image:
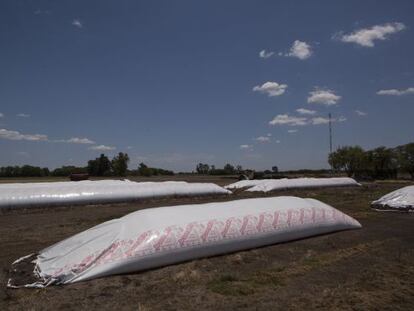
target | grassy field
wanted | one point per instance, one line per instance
(367, 269)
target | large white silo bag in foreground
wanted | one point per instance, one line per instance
(160, 236)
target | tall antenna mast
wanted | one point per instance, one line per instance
(330, 133)
(330, 138)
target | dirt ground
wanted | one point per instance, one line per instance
(367, 269)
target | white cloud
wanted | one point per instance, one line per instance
(266, 54)
(292, 131)
(23, 115)
(271, 88)
(102, 148)
(263, 139)
(15, 135)
(319, 120)
(324, 97)
(395, 92)
(245, 147)
(77, 23)
(323, 120)
(269, 134)
(300, 49)
(285, 119)
(1, 115)
(277, 141)
(77, 140)
(366, 36)
(360, 113)
(306, 111)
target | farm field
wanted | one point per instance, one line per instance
(371, 268)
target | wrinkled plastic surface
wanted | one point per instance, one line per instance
(160, 236)
(401, 199)
(265, 185)
(102, 191)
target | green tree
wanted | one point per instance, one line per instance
(351, 159)
(405, 158)
(382, 163)
(67, 170)
(229, 169)
(202, 168)
(144, 170)
(100, 166)
(120, 164)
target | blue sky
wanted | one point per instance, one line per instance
(174, 83)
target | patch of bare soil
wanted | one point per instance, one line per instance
(367, 269)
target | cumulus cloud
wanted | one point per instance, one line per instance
(271, 88)
(300, 49)
(323, 120)
(77, 140)
(285, 119)
(263, 139)
(305, 111)
(319, 120)
(360, 113)
(366, 36)
(265, 54)
(23, 115)
(395, 92)
(102, 148)
(15, 135)
(246, 147)
(77, 23)
(292, 131)
(324, 97)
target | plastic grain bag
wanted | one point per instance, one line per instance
(266, 185)
(398, 200)
(93, 192)
(156, 237)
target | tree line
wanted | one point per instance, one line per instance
(228, 169)
(100, 166)
(378, 163)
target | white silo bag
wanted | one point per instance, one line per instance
(400, 199)
(94, 192)
(266, 185)
(156, 237)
